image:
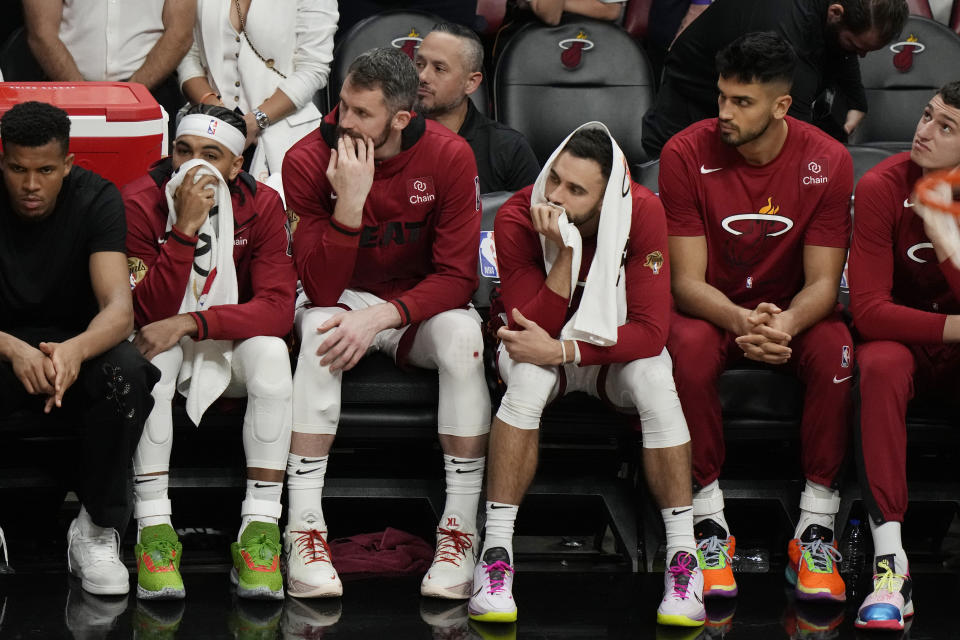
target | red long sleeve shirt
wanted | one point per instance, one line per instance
(523, 278)
(898, 289)
(417, 243)
(160, 263)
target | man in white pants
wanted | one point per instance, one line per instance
(213, 298)
(388, 211)
(585, 279)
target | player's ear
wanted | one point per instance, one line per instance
(835, 13)
(782, 105)
(400, 120)
(235, 167)
(473, 82)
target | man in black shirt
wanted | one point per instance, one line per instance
(450, 64)
(826, 36)
(65, 311)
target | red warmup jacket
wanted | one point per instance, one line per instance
(160, 262)
(523, 278)
(417, 244)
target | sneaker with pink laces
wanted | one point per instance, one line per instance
(492, 599)
(310, 572)
(682, 604)
(451, 574)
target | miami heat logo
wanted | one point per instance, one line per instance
(408, 43)
(904, 52)
(912, 251)
(654, 261)
(751, 230)
(573, 49)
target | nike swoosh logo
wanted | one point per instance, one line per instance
(305, 461)
(135, 481)
(499, 506)
(697, 596)
(301, 472)
(835, 381)
(455, 461)
(906, 203)
(466, 470)
(676, 513)
(705, 171)
(261, 486)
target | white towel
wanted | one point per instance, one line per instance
(205, 372)
(603, 306)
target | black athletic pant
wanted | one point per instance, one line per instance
(110, 401)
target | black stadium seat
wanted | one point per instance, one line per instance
(401, 29)
(550, 80)
(900, 78)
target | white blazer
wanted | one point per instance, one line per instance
(298, 36)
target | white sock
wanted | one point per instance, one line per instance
(147, 488)
(887, 541)
(499, 528)
(259, 491)
(464, 481)
(818, 505)
(679, 524)
(708, 505)
(305, 475)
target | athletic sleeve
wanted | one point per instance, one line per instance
(109, 229)
(644, 335)
(522, 275)
(272, 277)
(875, 314)
(324, 251)
(830, 226)
(678, 194)
(159, 267)
(455, 242)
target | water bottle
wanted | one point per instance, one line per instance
(852, 548)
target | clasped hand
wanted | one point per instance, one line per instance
(763, 335)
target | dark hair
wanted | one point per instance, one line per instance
(592, 144)
(950, 93)
(34, 124)
(761, 56)
(473, 48)
(390, 70)
(886, 16)
(232, 118)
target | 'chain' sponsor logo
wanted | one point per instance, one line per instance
(420, 190)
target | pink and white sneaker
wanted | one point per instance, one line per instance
(890, 603)
(492, 599)
(451, 574)
(682, 604)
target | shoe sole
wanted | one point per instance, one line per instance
(808, 595)
(494, 616)
(883, 625)
(334, 591)
(167, 593)
(673, 620)
(100, 590)
(259, 592)
(458, 592)
(720, 592)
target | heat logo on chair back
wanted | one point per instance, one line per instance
(904, 52)
(573, 49)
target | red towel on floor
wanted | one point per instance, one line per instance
(391, 551)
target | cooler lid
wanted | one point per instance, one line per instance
(117, 101)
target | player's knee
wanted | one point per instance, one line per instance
(884, 363)
(528, 390)
(460, 352)
(268, 370)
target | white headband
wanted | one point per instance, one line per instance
(196, 124)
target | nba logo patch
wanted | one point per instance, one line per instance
(749, 282)
(845, 357)
(488, 256)
(212, 127)
(844, 282)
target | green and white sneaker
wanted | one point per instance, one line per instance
(158, 564)
(256, 562)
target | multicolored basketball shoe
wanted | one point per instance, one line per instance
(891, 602)
(158, 564)
(492, 599)
(682, 604)
(814, 566)
(811, 620)
(256, 562)
(715, 550)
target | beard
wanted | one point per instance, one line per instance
(438, 109)
(378, 141)
(740, 138)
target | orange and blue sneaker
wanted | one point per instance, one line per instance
(814, 567)
(890, 603)
(805, 620)
(256, 562)
(715, 550)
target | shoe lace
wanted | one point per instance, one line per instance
(821, 554)
(452, 545)
(712, 548)
(888, 580)
(681, 572)
(312, 546)
(262, 550)
(161, 552)
(496, 574)
(104, 548)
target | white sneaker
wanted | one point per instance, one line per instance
(89, 616)
(96, 561)
(309, 618)
(451, 574)
(310, 572)
(492, 599)
(682, 604)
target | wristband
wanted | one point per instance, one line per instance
(563, 353)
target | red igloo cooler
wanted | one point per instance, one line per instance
(117, 129)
